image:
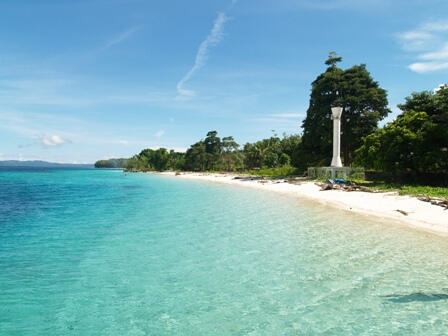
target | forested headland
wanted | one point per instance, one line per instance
(415, 144)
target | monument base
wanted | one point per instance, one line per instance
(336, 172)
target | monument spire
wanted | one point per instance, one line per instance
(336, 112)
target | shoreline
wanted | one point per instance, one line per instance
(420, 215)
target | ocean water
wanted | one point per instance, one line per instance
(97, 252)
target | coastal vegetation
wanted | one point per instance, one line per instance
(271, 155)
(111, 163)
(156, 160)
(411, 149)
(416, 142)
(407, 189)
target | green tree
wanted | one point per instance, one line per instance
(150, 159)
(270, 160)
(111, 163)
(333, 59)
(255, 154)
(196, 157)
(159, 159)
(213, 149)
(284, 159)
(364, 102)
(416, 142)
(176, 160)
(290, 146)
(230, 155)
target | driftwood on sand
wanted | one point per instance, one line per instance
(435, 201)
(345, 187)
(405, 213)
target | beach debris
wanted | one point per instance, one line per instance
(342, 181)
(402, 212)
(326, 186)
(435, 201)
(341, 184)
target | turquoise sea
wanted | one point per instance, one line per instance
(97, 252)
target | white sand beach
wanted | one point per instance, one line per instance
(420, 215)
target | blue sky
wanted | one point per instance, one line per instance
(85, 80)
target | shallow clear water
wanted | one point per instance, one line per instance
(86, 252)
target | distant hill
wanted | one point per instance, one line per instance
(43, 164)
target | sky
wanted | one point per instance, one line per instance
(83, 80)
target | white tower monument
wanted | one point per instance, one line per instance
(336, 161)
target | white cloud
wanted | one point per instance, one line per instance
(213, 38)
(159, 134)
(122, 142)
(52, 141)
(427, 40)
(423, 67)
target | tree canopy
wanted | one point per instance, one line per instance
(111, 163)
(220, 154)
(156, 159)
(416, 142)
(364, 102)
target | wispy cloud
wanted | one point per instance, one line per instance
(159, 134)
(415, 40)
(441, 54)
(430, 42)
(213, 38)
(122, 36)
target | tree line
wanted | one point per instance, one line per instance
(416, 142)
(214, 153)
(111, 163)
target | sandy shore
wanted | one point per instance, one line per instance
(420, 215)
